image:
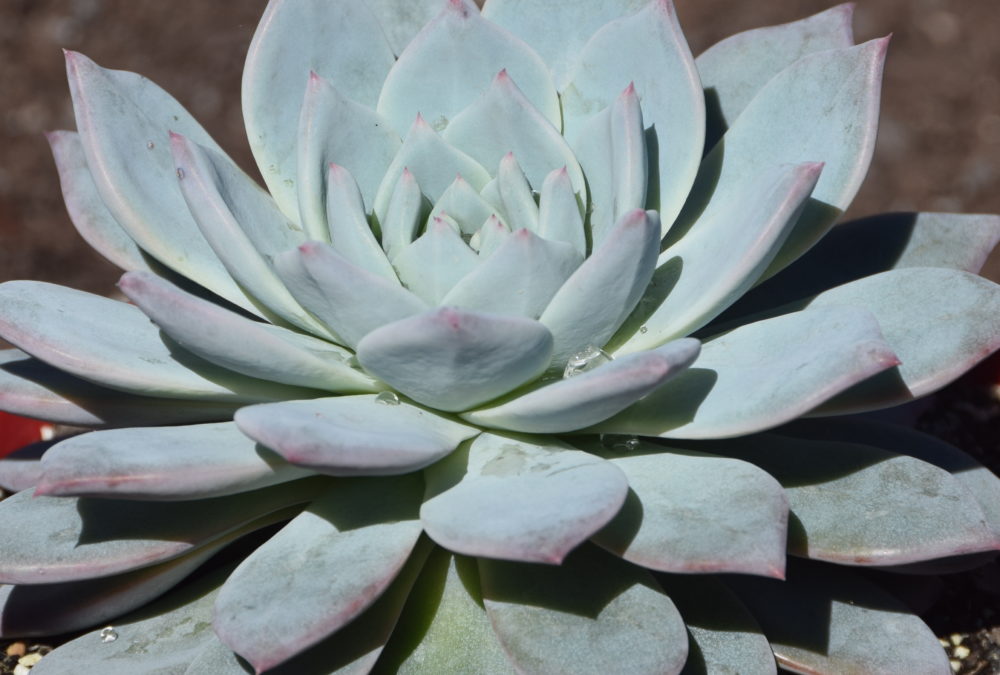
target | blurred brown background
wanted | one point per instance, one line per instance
(938, 148)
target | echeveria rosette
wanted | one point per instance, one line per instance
(452, 348)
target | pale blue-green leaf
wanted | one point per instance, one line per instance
(124, 120)
(519, 277)
(55, 539)
(435, 262)
(68, 329)
(86, 209)
(822, 108)
(855, 504)
(353, 435)
(503, 120)
(591, 397)
(161, 463)
(22, 469)
(462, 203)
(826, 619)
(350, 233)
(352, 650)
(240, 344)
(47, 609)
(490, 237)
(516, 196)
(730, 246)
(352, 542)
(244, 226)
(452, 61)
(596, 300)
(558, 31)
(443, 628)
(611, 147)
(674, 520)
(725, 639)
(559, 216)
(453, 360)
(402, 21)
(349, 299)
(876, 244)
(161, 638)
(791, 363)
(648, 50)
(402, 215)
(433, 163)
(32, 388)
(940, 322)
(520, 498)
(735, 69)
(594, 614)
(982, 483)
(335, 129)
(293, 38)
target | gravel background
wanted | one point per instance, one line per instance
(938, 143)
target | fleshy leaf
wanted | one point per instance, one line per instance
(292, 40)
(452, 60)
(68, 329)
(243, 225)
(464, 205)
(434, 164)
(596, 300)
(519, 277)
(512, 498)
(443, 628)
(33, 388)
(353, 435)
(612, 149)
(320, 571)
(593, 614)
(21, 469)
(161, 463)
(590, 397)
(502, 120)
(401, 22)
(87, 211)
(557, 31)
(899, 510)
(490, 237)
(454, 360)
(68, 538)
(823, 108)
(826, 619)
(724, 636)
(940, 322)
(676, 521)
(334, 129)
(350, 233)
(349, 299)
(559, 216)
(402, 215)
(790, 364)
(124, 120)
(647, 49)
(730, 246)
(735, 69)
(239, 344)
(516, 195)
(434, 263)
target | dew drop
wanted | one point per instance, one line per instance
(630, 444)
(387, 398)
(588, 358)
(643, 329)
(150, 145)
(109, 634)
(180, 173)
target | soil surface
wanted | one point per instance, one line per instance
(938, 150)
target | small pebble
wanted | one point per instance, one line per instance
(961, 652)
(29, 660)
(944, 643)
(955, 664)
(956, 639)
(17, 649)
(21, 670)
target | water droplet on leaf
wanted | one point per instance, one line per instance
(588, 358)
(109, 634)
(643, 329)
(630, 444)
(387, 398)
(150, 144)
(180, 174)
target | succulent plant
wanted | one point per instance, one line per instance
(540, 354)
